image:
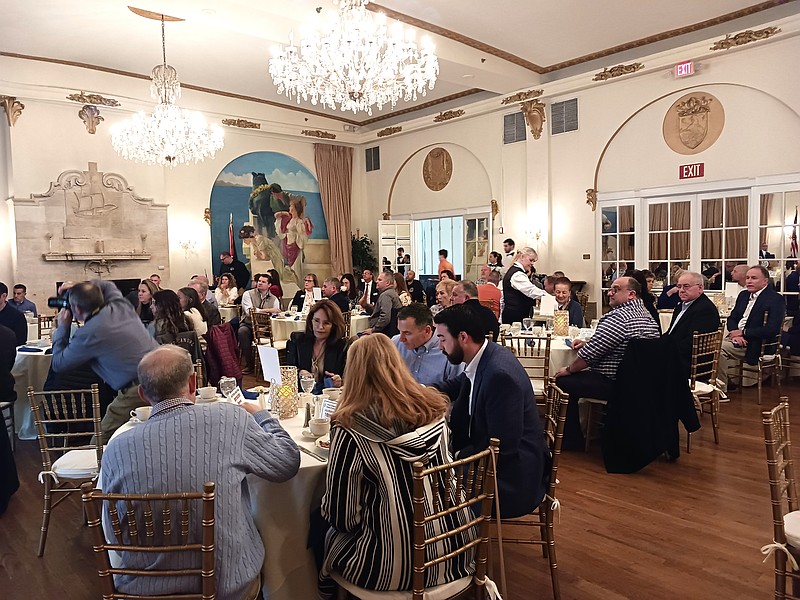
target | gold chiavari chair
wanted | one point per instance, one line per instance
(785, 503)
(262, 335)
(703, 378)
(46, 323)
(466, 485)
(198, 369)
(583, 300)
(152, 524)
(554, 420)
(65, 422)
(768, 359)
(534, 355)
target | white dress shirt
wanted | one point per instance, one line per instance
(749, 308)
(521, 283)
(472, 369)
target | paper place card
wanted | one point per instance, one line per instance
(732, 289)
(547, 305)
(269, 363)
(328, 408)
(236, 395)
(317, 294)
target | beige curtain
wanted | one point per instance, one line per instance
(335, 175)
(764, 212)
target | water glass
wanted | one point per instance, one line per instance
(227, 385)
(527, 324)
(550, 323)
(306, 383)
(516, 327)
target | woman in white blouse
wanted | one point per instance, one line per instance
(226, 291)
(193, 309)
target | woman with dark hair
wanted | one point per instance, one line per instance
(275, 283)
(446, 274)
(304, 298)
(648, 298)
(350, 288)
(145, 295)
(226, 292)
(321, 350)
(495, 261)
(168, 317)
(402, 289)
(193, 309)
(384, 422)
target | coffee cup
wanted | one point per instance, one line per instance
(320, 426)
(141, 413)
(207, 393)
(332, 393)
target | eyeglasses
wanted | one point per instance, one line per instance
(685, 286)
(615, 288)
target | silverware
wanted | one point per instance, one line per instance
(319, 457)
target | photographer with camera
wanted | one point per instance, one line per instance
(112, 341)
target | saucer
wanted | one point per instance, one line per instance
(216, 398)
(307, 434)
(324, 439)
(135, 421)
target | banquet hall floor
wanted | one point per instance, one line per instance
(690, 529)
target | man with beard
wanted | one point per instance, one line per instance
(493, 398)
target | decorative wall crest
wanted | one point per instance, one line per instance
(448, 114)
(745, 37)
(693, 123)
(617, 71)
(591, 198)
(207, 216)
(318, 133)
(90, 115)
(92, 99)
(534, 115)
(522, 96)
(242, 123)
(389, 131)
(12, 107)
(437, 169)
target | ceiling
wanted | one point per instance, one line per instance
(484, 49)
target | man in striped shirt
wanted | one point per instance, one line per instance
(593, 372)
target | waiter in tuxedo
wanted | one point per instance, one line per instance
(509, 250)
(695, 313)
(757, 317)
(367, 288)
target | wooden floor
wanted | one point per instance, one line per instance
(689, 530)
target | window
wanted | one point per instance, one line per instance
(373, 158)
(513, 128)
(433, 234)
(669, 243)
(476, 246)
(723, 235)
(564, 116)
(617, 242)
(778, 237)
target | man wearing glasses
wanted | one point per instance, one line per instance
(593, 372)
(695, 313)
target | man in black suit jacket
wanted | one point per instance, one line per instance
(368, 289)
(414, 287)
(695, 313)
(466, 293)
(332, 290)
(493, 398)
(756, 317)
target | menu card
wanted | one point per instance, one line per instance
(547, 305)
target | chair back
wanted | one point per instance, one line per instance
(487, 303)
(150, 524)
(46, 324)
(782, 485)
(348, 317)
(189, 341)
(465, 485)
(534, 355)
(65, 420)
(555, 418)
(705, 356)
(583, 300)
(262, 327)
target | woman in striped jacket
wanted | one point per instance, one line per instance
(384, 422)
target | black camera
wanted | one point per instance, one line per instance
(59, 302)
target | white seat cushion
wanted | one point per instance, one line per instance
(440, 592)
(76, 464)
(791, 523)
(538, 387)
(277, 344)
(702, 388)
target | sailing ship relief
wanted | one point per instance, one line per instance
(91, 202)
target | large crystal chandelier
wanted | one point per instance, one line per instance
(170, 136)
(358, 62)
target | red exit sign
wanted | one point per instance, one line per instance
(691, 171)
(684, 69)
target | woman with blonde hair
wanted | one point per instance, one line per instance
(384, 422)
(444, 295)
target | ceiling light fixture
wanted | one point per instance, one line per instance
(170, 136)
(357, 62)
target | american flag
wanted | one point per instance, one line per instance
(232, 241)
(793, 247)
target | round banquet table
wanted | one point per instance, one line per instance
(282, 326)
(30, 369)
(228, 312)
(561, 355)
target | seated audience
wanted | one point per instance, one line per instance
(518, 291)
(168, 317)
(491, 291)
(756, 319)
(419, 347)
(243, 440)
(321, 350)
(331, 289)
(226, 292)
(262, 300)
(695, 313)
(563, 293)
(493, 398)
(414, 287)
(383, 423)
(193, 309)
(402, 289)
(350, 289)
(648, 299)
(444, 296)
(446, 275)
(549, 284)
(669, 297)
(12, 318)
(304, 299)
(713, 275)
(144, 295)
(212, 312)
(275, 287)
(367, 289)
(593, 372)
(466, 293)
(20, 302)
(384, 312)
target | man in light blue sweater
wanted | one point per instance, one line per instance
(178, 449)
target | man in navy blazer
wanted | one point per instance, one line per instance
(756, 317)
(493, 398)
(695, 313)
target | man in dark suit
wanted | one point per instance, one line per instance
(493, 398)
(466, 293)
(369, 291)
(332, 290)
(764, 252)
(695, 313)
(756, 317)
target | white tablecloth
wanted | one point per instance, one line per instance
(30, 368)
(282, 327)
(561, 355)
(228, 312)
(666, 319)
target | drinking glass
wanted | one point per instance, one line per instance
(527, 324)
(227, 385)
(307, 383)
(550, 323)
(593, 324)
(516, 327)
(292, 309)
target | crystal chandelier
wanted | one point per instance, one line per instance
(358, 62)
(171, 135)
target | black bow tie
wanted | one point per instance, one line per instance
(509, 254)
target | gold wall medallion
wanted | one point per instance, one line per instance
(437, 169)
(93, 99)
(318, 133)
(534, 115)
(617, 71)
(389, 131)
(12, 107)
(242, 123)
(90, 115)
(693, 123)
(522, 96)
(745, 37)
(448, 114)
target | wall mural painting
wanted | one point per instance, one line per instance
(275, 207)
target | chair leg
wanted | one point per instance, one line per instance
(715, 417)
(760, 375)
(48, 486)
(551, 553)
(589, 427)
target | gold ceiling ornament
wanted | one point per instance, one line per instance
(318, 133)
(522, 96)
(745, 37)
(448, 114)
(591, 198)
(242, 123)
(534, 115)
(495, 208)
(90, 115)
(389, 131)
(617, 71)
(92, 99)
(12, 107)
(207, 215)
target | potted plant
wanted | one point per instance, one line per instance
(363, 255)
